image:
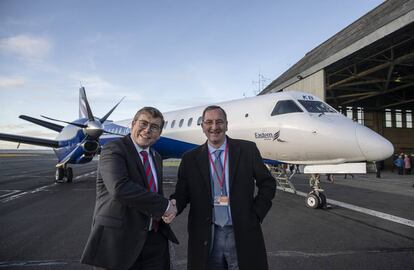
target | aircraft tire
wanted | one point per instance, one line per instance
(322, 200)
(60, 173)
(312, 201)
(69, 175)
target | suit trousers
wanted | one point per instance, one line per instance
(223, 256)
(154, 255)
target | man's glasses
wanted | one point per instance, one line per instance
(152, 127)
(211, 122)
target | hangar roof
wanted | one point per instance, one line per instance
(386, 30)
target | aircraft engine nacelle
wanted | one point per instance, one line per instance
(90, 147)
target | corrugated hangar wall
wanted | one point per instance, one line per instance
(314, 84)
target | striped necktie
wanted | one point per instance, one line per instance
(148, 171)
(151, 184)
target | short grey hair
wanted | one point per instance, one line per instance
(154, 112)
(214, 107)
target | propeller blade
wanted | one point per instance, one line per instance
(85, 100)
(103, 119)
(70, 123)
(113, 133)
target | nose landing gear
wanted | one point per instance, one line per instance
(64, 172)
(315, 198)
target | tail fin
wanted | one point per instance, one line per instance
(83, 112)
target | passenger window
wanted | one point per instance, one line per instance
(181, 123)
(165, 124)
(200, 119)
(190, 121)
(286, 106)
(172, 123)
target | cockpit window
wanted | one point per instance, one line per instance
(286, 106)
(314, 106)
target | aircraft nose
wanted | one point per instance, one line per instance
(373, 146)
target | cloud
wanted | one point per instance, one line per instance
(9, 82)
(26, 48)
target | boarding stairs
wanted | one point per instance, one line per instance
(283, 178)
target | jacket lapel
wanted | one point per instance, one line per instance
(204, 166)
(133, 154)
(234, 157)
(158, 165)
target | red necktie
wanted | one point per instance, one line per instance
(151, 182)
(148, 172)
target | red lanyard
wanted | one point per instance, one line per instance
(220, 179)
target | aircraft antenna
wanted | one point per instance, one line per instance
(261, 83)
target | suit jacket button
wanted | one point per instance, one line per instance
(205, 243)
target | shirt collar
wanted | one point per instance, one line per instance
(211, 149)
(139, 148)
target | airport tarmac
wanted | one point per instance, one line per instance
(370, 225)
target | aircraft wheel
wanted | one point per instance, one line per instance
(69, 175)
(312, 201)
(60, 173)
(322, 200)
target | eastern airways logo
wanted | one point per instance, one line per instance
(268, 136)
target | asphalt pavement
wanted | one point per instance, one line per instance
(44, 225)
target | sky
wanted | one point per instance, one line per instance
(166, 54)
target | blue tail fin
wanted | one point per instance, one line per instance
(83, 112)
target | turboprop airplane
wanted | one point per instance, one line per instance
(288, 127)
(77, 142)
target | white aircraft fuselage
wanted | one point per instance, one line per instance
(302, 130)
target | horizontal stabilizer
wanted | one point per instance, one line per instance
(29, 140)
(42, 123)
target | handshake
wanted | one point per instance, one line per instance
(171, 212)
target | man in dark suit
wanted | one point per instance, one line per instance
(127, 231)
(218, 180)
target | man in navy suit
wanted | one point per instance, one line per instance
(127, 230)
(218, 180)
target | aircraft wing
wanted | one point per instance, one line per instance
(42, 123)
(29, 140)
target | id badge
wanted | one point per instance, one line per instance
(221, 200)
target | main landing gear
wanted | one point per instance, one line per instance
(315, 198)
(64, 172)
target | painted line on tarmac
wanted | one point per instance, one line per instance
(18, 155)
(32, 263)
(12, 196)
(85, 175)
(363, 210)
(294, 253)
(19, 195)
(10, 192)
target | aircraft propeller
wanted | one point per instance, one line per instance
(93, 127)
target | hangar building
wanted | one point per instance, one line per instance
(366, 71)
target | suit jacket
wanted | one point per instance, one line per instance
(124, 207)
(246, 169)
